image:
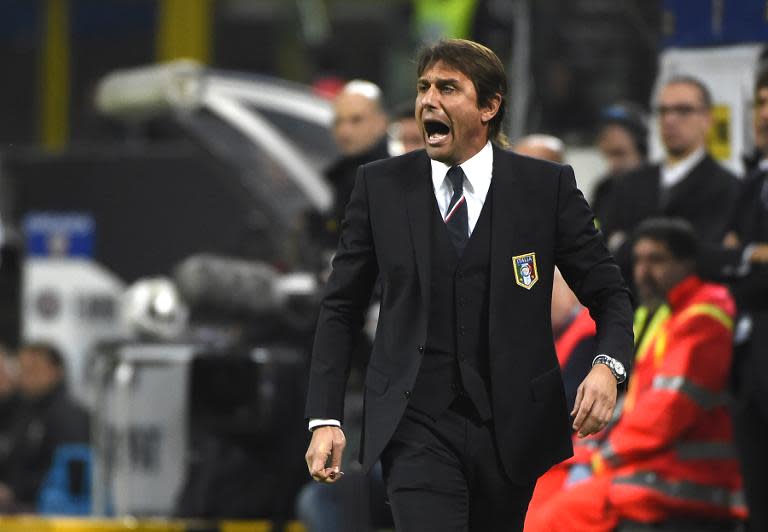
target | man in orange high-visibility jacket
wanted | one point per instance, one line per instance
(670, 453)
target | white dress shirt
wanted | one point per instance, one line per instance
(672, 174)
(478, 170)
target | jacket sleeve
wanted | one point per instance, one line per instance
(690, 380)
(343, 308)
(591, 272)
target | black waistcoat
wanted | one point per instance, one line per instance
(456, 355)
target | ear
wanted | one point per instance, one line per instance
(489, 109)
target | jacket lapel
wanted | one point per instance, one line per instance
(419, 197)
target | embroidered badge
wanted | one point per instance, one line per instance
(526, 273)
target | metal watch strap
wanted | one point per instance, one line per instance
(612, 365)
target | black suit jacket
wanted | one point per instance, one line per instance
(386, 233)
(705, 197)
(749, 286)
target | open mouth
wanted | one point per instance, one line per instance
(436, 131)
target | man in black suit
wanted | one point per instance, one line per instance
(464, 400)
(743, 262)
(688, 184)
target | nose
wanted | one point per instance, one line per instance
(667, 118)
(429, 97)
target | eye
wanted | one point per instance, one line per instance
(447, 89)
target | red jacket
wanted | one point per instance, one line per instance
(582, 327)
(671, 450)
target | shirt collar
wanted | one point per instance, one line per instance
(478, 169)
(763, 165)
(672, 174)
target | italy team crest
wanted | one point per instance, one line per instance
(526, 273)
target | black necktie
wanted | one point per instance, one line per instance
(457, 220)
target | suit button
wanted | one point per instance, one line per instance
(420, 348)
(406, 394)
(460, 275)
(461, 357)
(462, 301)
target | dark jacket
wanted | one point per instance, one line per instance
(749, 284)
(341, 176)
(705, 197)
(42, 424)
(386, 234)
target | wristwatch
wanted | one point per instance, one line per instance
(616, 367)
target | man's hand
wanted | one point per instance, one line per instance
(326, 442)
(759, 254)
(595, 401)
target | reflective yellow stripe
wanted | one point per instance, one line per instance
(54, 76)
(659, 318)
(641, 315)
(598, 466)
(708, 309)
(660, 348)
(700, 309)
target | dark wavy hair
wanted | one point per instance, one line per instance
(479, 64)
(676, 233)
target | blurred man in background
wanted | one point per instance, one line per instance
(404, 131)
(743, 261)
(622, 140)
(540, 146)
(688, 184)
(360, 131)
(670, 452)
(47, 418)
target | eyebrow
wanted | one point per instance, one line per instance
(439, 81)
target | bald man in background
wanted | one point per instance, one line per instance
(540, 146)
(360, 131)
